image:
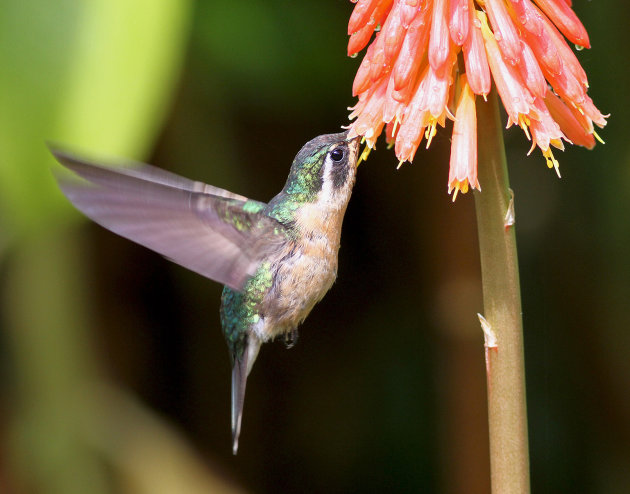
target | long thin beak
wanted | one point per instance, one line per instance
(240, 370)
(356, 145)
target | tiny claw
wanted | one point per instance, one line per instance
(290, 338)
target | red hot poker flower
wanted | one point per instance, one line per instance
(410, 80)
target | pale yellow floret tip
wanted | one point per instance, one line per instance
(523, 123)
(552, 162)
(430, 132)
(395, 127)
(458, 187)
(364, 154)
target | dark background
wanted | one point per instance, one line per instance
(385, 390)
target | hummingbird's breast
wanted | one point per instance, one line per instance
(304, 272)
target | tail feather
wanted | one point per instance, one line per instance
(240, 370)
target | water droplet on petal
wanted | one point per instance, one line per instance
(354, 55)
(579, 48)
(498, 36)
(477, 22)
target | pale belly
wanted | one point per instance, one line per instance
(302, 280)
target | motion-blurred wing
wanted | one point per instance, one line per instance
(90, 170)
(213, 232)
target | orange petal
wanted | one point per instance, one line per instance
(359, 39)
(531, 73)
(566, 20)
(412, 51)
(545, 130)
(504, 30)
(536, 36)
(570, 125)
(459, 20)
(567, 86)
(439, 41)
(393, 32)
(435, 90)
(411, 128)
(590, 110)
(369, 122)
(476, 62)
(362, 79)
(393, 108)
(527, 16)
(378, 64)
(566, 53)
(516, 98)
(361, 14)
(410, 9)
(463, 162)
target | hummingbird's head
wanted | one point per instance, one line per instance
(324, 169)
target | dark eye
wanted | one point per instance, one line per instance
(337, 155)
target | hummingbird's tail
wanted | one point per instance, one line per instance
(240, 371)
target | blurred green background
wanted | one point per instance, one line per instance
(114, 377)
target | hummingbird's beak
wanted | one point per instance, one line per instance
(354, 145)
(240, 370)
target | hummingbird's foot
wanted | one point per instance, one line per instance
(290, 338)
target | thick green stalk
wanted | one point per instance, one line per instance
(507, 414)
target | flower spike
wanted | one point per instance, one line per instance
(432, 58)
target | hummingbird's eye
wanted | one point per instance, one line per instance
(337, 154)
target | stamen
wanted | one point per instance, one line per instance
(430, 132)
(455, 193)
(364, 154)
(598, 138)
(523, 123)
(552, 162)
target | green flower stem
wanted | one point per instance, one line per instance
(507, 414)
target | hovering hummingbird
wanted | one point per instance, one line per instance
(276, 259)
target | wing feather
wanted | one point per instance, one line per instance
(200, 227)
(90, 170)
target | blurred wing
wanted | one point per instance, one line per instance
(208, 233)
(89, 170)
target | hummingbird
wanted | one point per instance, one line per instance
(276, 259)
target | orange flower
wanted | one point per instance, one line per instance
(463, 166)
(410, 77)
